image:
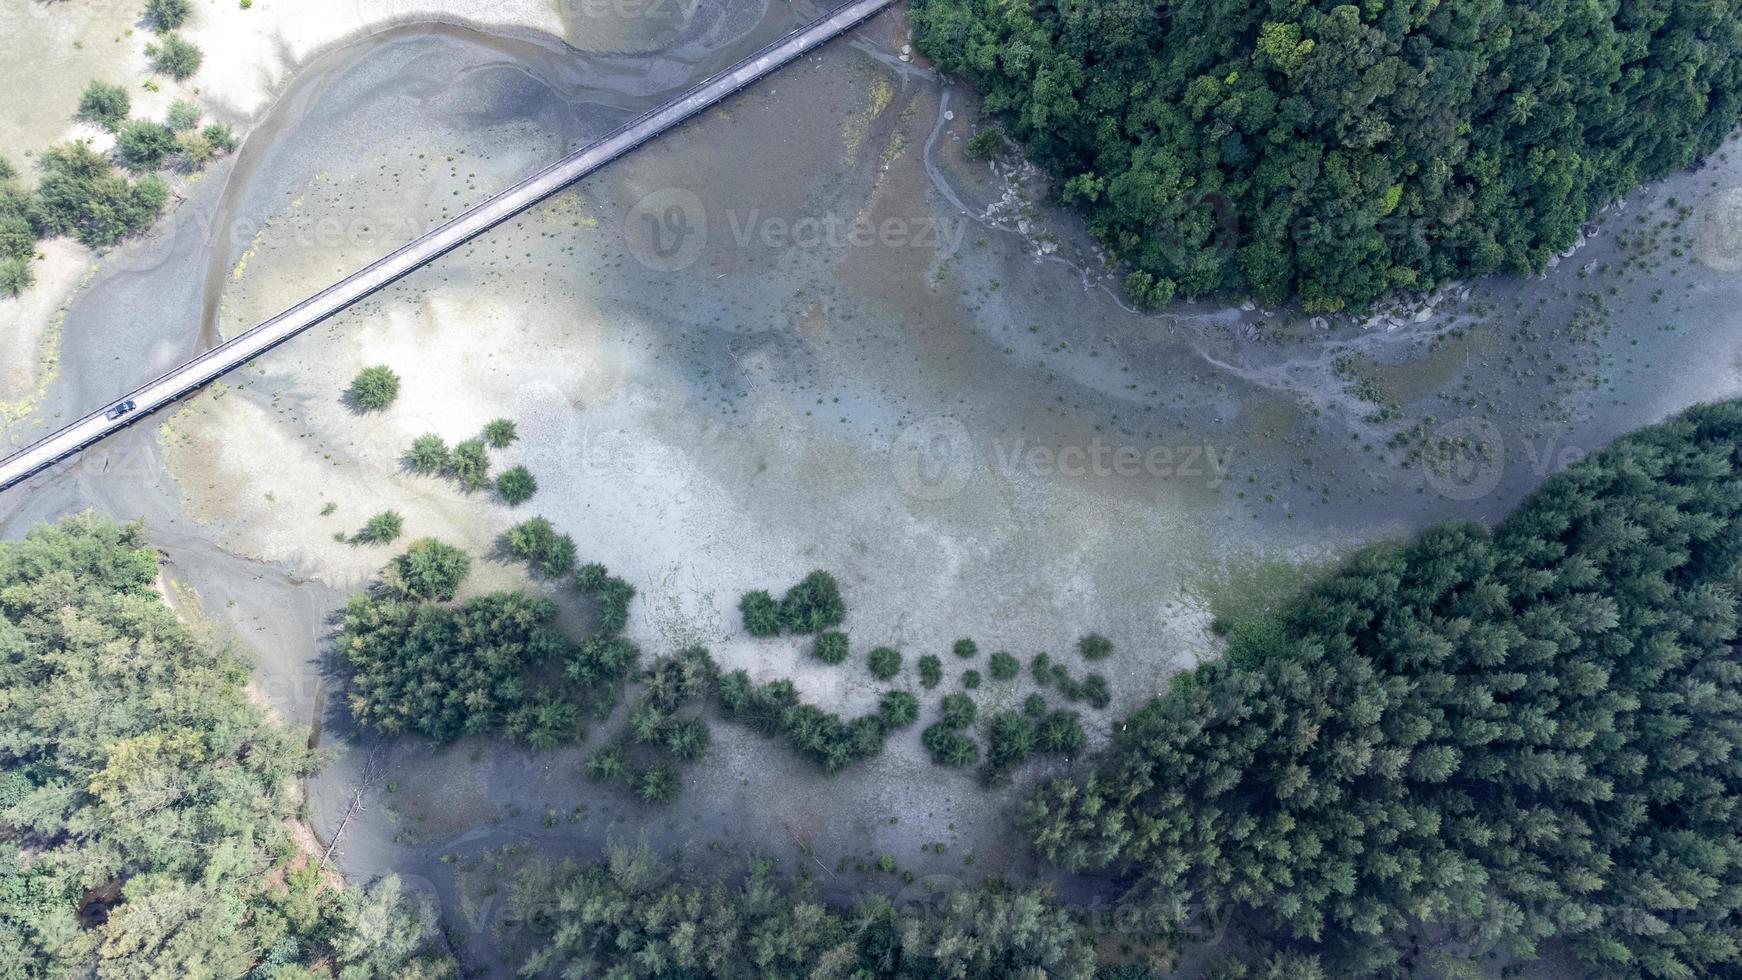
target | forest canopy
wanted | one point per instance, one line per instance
(1337, 152)
(1496, 738)
(145, 801)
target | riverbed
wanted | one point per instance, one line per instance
(802, 331)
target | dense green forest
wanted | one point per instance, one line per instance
(635, 915)
(1339, 152)
(145, 801)
(1494, 738)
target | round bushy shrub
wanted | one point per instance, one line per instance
(1010, 741)
(470, 464)
(761, 613)
(182, 116)
(1095, 691)
(956, 711)
(429, 569)
(1061, 733)
(898, 709)
(830, 647)
(966, 648)
(949, 748)
(375, 387)
(1041, 668)
(15, 276)
(166, 15)
(142, 144)
(1034, 705)
(516, 485)
(687, 739)
(383, 527)
(428, 454)
(1003, 667)
(814, 604)
(885, 662)
(175, 56)
(105, 104)
(1094, 646)
(931, 671)
(658, 784)
(607, 764)
(499, 433)
(970, 679)
(537, 543)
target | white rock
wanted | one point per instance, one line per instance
(907, 49)
(1320, 323)
(1248, 306)
(907, 57)
(949, 114)
(1423, 314)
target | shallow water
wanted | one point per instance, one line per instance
(769, 342)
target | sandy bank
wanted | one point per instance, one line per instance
(30, 325)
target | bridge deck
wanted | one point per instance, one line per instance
(262, 337)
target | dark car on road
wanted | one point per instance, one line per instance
(120, 409)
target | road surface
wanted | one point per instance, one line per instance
(413, 255)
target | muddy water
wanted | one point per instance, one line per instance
(769, 342)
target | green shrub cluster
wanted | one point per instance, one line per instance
(1094, 646)
(428, 570)
(885, 662)
(428, 454)
(657, 739)
(897, 709)
(946, 740)
(469, 460)
(500, 433)
(538, 543)
(774, 708)
(1012, 739)
(383, 528)
(931, 671)
(80, 193)
(175, 56)
(1092, 688)
(493, 664)
(470, 464)
(830, 647)
(612, 594)
(516, 486)
(1003, 667)
(375, 387)
(761, 613)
